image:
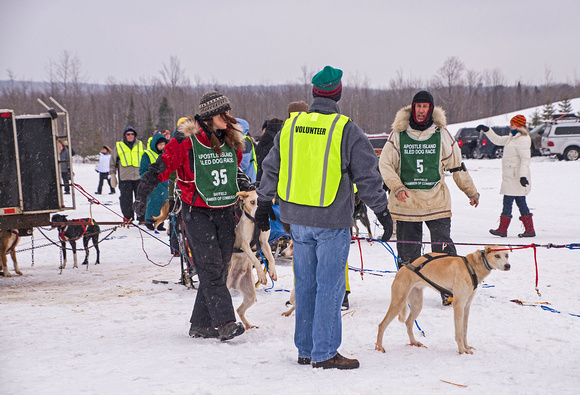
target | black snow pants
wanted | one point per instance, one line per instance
(128, 190)
(440, 230)
(210, 234)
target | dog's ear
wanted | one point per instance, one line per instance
(243, 194)
(487, 249)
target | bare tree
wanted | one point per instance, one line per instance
(175, 79)
(450, 75)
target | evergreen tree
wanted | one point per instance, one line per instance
(536, 118)
(565, 106)
(131, 118)
(547, 110)
(165, 115)
(149, 127)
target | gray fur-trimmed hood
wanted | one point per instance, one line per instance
(401, 121)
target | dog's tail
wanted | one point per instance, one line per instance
(404, 313)
(162, 212)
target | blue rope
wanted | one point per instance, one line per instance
(265, 261)
(397, 260)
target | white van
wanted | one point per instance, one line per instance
(562, 138)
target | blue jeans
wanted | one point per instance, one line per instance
(319, 263)
(508, 202)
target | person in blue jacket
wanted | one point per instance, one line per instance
(160, 194)
(249, 164)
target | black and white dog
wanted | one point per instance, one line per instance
(72, 233)
(360, 214)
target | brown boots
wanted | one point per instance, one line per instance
(504, 222)
(528, 226)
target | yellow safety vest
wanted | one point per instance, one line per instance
(130, 156)
(152, 156)
(253, 154)
(310, 160)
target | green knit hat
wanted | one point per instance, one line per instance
(327, 83)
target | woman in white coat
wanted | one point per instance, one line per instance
(515, 174)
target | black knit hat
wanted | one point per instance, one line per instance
(211, 104)
(423, 97)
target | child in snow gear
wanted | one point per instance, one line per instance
(319, 211)
(515, 174)
(160, 194)
(103, 170)
(206, 154)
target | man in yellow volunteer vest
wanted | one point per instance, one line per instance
(126, 158)
(315, 160)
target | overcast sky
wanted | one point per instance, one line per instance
(269, 42)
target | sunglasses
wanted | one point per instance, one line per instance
(130, 134)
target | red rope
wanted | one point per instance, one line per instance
(94, 200)
(510, 248)
(535, 260)
(361, 259)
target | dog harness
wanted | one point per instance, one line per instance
(62, 233)
(13, 246)
(431, 258)
(255, 238)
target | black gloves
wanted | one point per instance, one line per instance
(139, 206)
(386, 221)
(482, 127)
(524, 181)
(263, 214)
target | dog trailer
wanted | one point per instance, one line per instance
(31, 186)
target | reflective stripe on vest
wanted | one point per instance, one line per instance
(310, 158)
(420, 161)
(255, 162)
(130, 156)
(152, 156)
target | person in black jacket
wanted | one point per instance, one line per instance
(273, 127)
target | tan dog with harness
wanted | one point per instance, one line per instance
(240, 275)
(8, 242)
(455, 275)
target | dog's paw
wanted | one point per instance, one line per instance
(379, 348)
(273, 274)
(417, 344)
(262, 278)
(467, 350)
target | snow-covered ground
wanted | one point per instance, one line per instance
(109, 329)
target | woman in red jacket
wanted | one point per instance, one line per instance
(206, 155)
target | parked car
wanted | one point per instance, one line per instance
(378, 142)
(467, 140)
(562, 137)
(536, 137)
(488, 149)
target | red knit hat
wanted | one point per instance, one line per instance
(519, 121)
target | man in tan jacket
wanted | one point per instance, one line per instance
(412, 164)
